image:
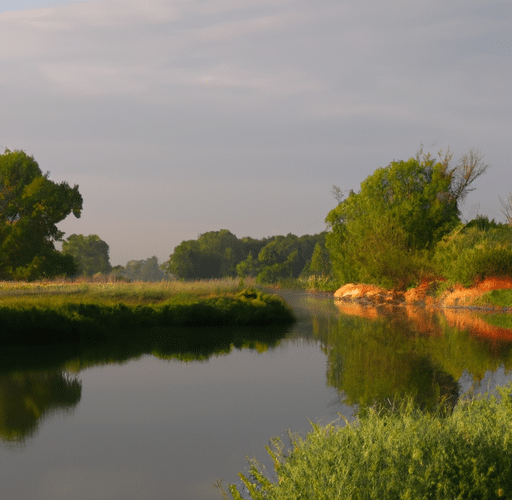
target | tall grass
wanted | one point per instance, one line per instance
(68, 312)
(395, 454)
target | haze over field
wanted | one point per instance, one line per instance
(181, 117)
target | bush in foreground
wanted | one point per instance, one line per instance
(402, 454)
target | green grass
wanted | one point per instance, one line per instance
(500, 298)
(48, 313)
(395, 454)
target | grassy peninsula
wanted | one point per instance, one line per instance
(52, 312)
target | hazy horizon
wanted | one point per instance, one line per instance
(177, 118)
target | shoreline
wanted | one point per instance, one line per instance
(455, 297)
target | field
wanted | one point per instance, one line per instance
(53, 312)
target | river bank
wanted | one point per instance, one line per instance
(490, 294)
(50, 313)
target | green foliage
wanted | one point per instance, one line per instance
(220, 253)
(500, 298)
(402, 210)
(401, 453)
(474, 252)
(285, 257)
(385, 233)
(215, 254)
(141, 270)
(90, 253)
(89, 317)
(30, 207)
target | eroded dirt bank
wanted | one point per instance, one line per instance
(422, 295)
(457, 305)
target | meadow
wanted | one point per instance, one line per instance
(88, 311)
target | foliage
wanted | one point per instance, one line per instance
(474, 252)
(401, 453)
(285, 257)
(90, 253)
(30, 207)
(141, 270)
(89, 317)
(384, 233)
(220, 253)
(215, 254)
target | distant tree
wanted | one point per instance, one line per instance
(141, 270)
(214, 254)
(31, 206)
(90, 253)
(247, 267)
(285, 257)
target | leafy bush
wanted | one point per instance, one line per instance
(471, 254)
(399, 454)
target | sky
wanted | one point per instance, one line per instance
(178, 117)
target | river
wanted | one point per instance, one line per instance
(145, 423)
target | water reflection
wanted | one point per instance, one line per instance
(36, 383)
(27, 397)
(379, 355)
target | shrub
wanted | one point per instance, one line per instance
(399, 454)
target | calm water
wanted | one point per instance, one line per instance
(146, 422)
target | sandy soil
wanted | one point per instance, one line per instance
(421, 295)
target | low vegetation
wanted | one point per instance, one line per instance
(395, 453)
(54, 312)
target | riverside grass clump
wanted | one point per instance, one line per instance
(395, 454)
(49, 313)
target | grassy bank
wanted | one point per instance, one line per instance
(46, 313)
(402, 454)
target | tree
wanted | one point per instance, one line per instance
(30, 207)
(141, 270)
(383, 233)
(285, 257)
(90, 253)
(506, 209)
(214, 254)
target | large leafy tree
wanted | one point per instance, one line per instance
(90, 253)
(30, 207)
(383, 233)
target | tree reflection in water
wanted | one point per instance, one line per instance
(380, 355)
(26, 398)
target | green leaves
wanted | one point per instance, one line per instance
(380, 235)
(30, 207)
(90, 253)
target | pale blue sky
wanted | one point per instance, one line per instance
(186, 116)
(17, 5)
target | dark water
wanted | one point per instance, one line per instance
(158, 422)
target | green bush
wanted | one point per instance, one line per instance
(472, 254)
(396, 454)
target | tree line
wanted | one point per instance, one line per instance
(402, 226)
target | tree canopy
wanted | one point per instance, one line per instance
(90, 253)
(382, 233)
(30, 207)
